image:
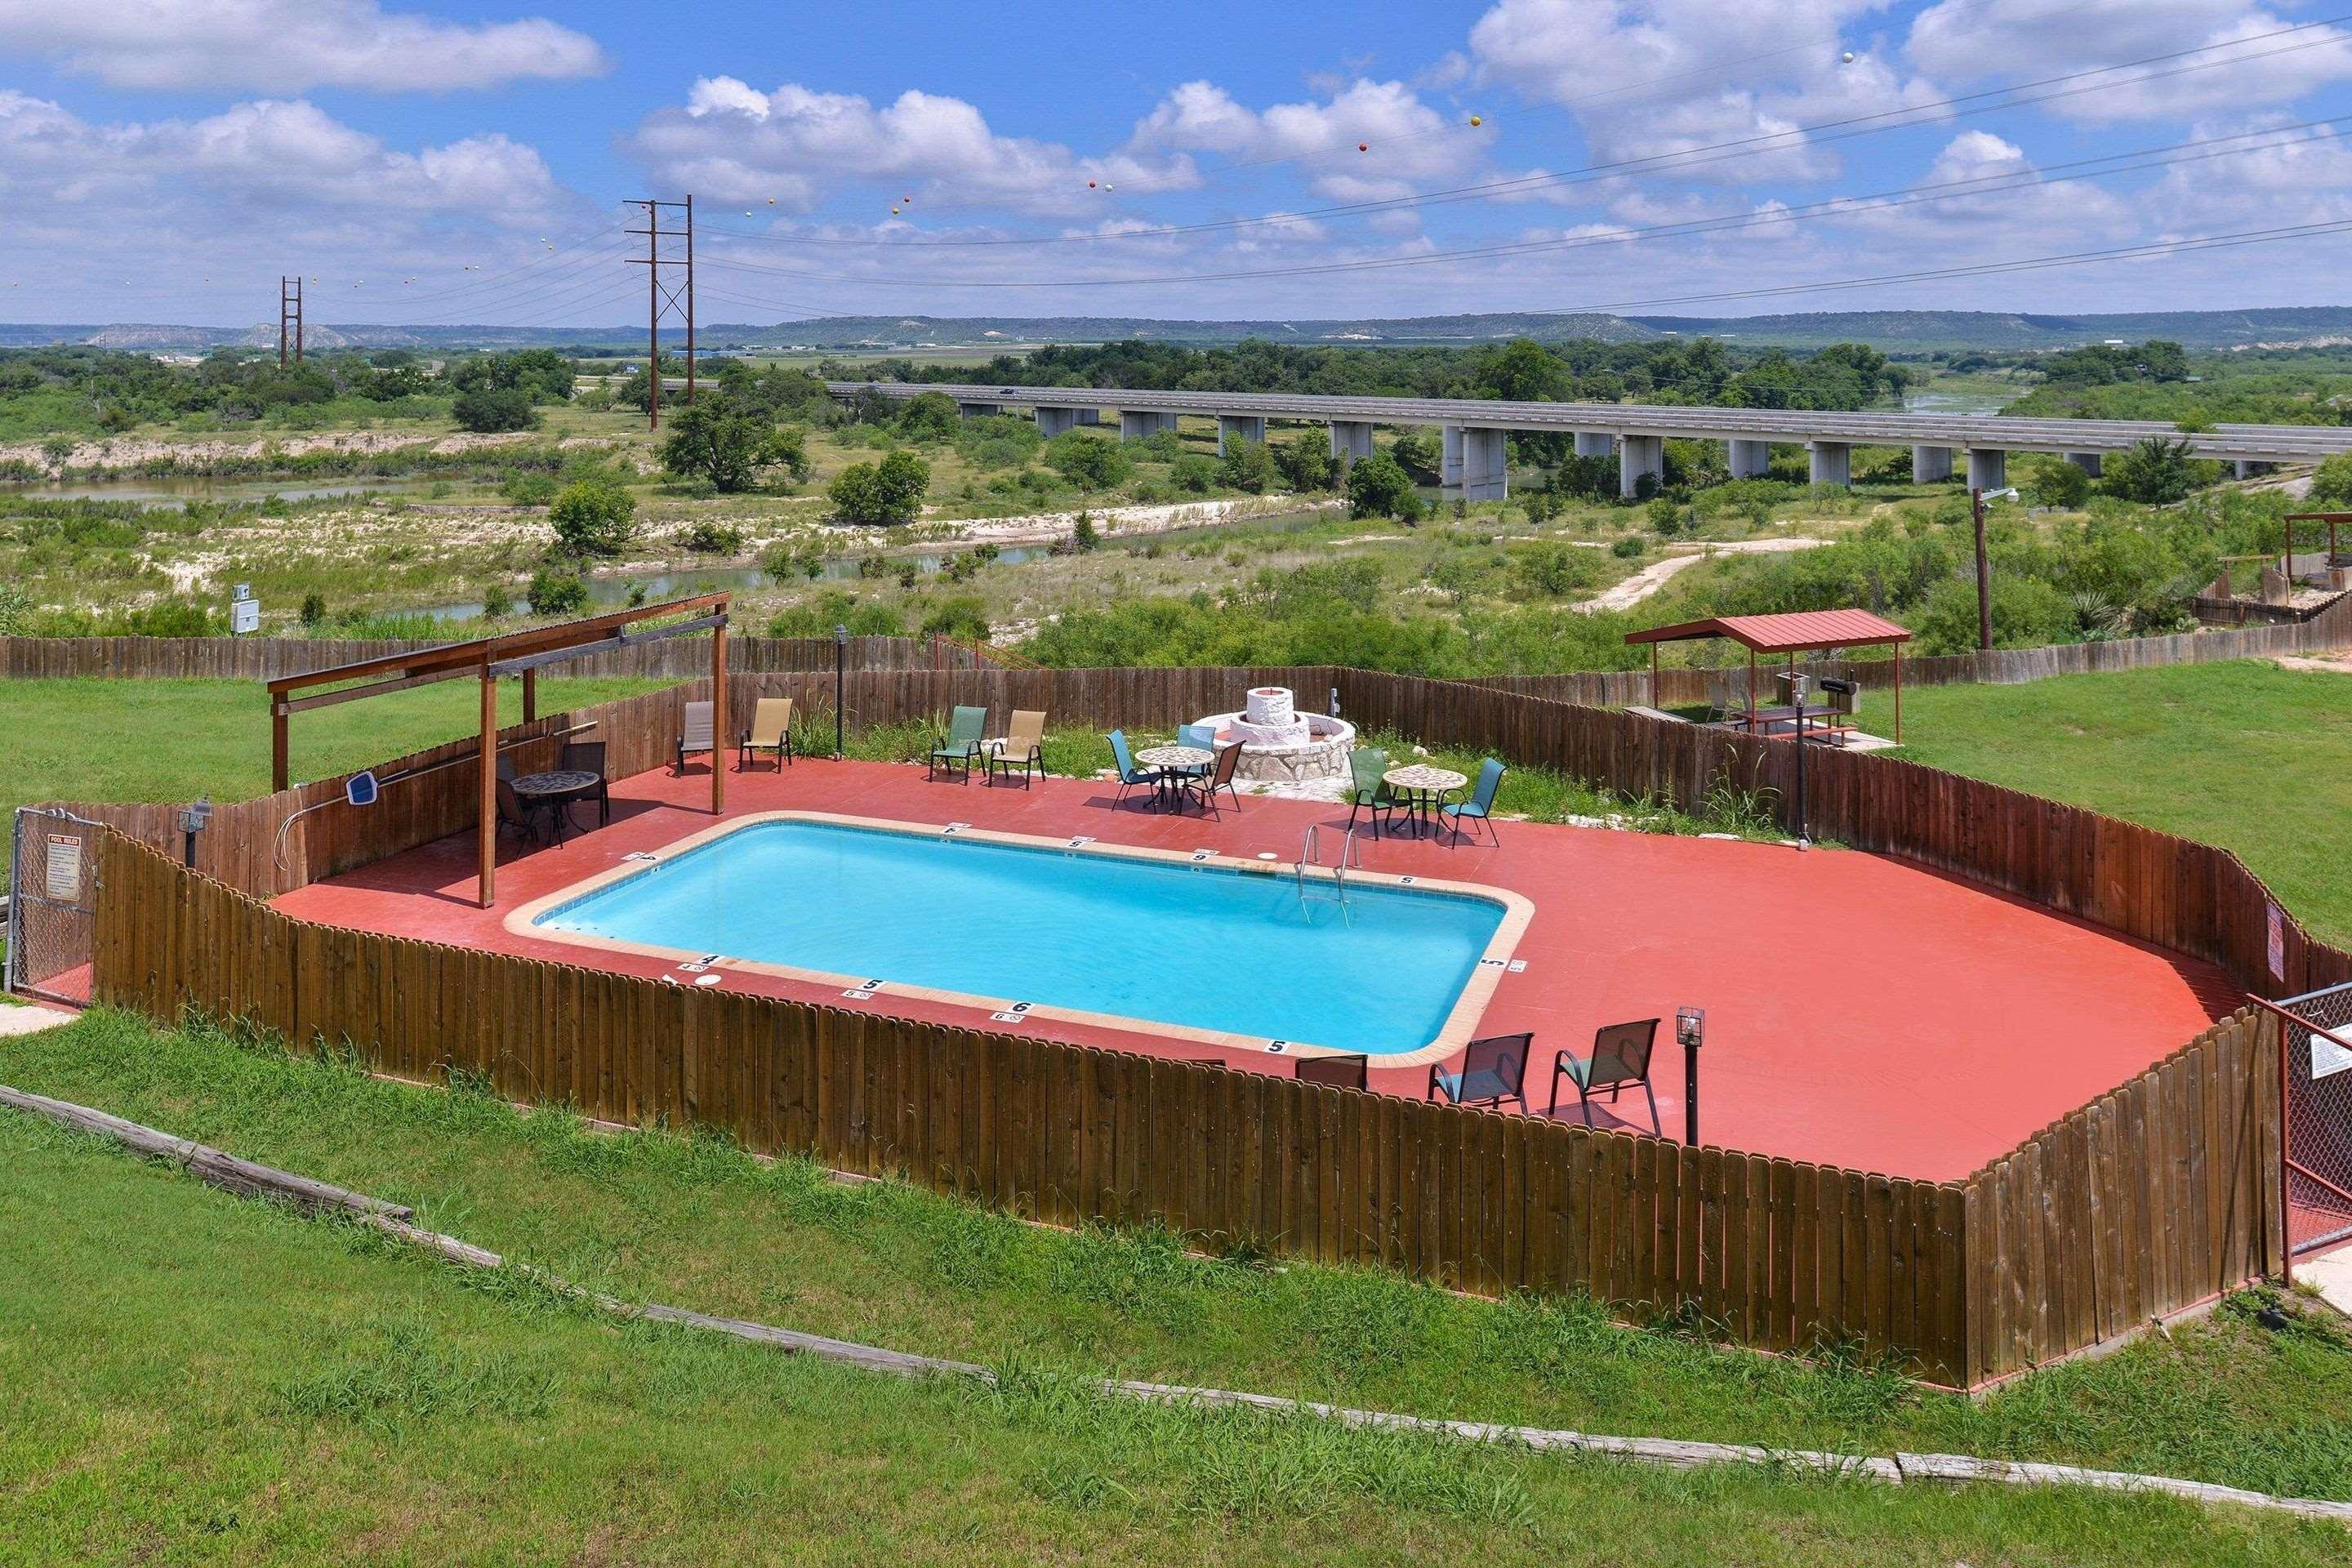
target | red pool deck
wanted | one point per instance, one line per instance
(1861, 1010)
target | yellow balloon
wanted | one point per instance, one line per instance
(1475, 120)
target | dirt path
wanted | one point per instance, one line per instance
(1658, 574)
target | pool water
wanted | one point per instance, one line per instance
(1198, 946)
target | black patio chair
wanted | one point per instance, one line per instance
(1493, 1070)
(1339, 1072)
(1203, 787)
(1621, 1055)
(523, 816)
(588, 757)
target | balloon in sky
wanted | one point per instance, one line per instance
(1846, 58)
(1363, 146)
(1475, 120)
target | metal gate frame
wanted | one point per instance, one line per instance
(27, 904)
(2314, 1123)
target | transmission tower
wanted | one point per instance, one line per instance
(289, 320)
(663, 298)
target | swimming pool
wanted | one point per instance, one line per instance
(1219, 951)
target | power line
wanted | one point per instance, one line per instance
(1662, 163)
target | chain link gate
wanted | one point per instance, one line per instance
(2316, 1086)
(52, 905)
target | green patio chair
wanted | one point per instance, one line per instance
(959, 748)
(1369, 791)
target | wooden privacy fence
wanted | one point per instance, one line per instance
(268, 659)
(1682, 686)
(2175, 893)
(276, 843)
(1781, 1254)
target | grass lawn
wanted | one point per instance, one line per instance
(189, 1377)
(173, 741)
(2242, 754)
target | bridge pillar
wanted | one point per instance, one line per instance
(1638, 456)
(1248, 426)
(1134, 424)
(1931, 464)
(1351, 440)
(1751, 457)
(1987, 469)
(1832, 463)
(2089, 462)
(1058, 419)
(977, 410)
(1449, 465)
(2247, 467)
(1485, 471)
(1594, 443)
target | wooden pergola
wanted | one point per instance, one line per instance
(523, 653)
(2287, 540)
(1803, 631)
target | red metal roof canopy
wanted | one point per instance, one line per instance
(1804, 631)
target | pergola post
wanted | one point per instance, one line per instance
(720, 725)
(486, 829)
(277, 716)
(1898, 694)
(530, 695)
(1653, 677)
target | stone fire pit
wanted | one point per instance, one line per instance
(1281, 745)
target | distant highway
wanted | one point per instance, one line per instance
(1474, 458)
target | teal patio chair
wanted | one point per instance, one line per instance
(1129, 776)
(1480, 807)
(1369, 791)
(1493, 1070)
(961, 746)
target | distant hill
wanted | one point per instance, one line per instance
(1913, 332)
(2288, 327)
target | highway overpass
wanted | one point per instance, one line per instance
(1475, 430)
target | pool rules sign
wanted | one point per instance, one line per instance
(64, 879)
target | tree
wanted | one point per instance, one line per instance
(1089, 461)
(1378, 486)
(491, 410)
(2155, 471)
(1083, 535)
(595, 517)
(2062, 484)
(555, 593)
(1306, 464)
(1418, 453)
(929, 416)
(1247, 466)
(889, 491)
(2331, 486)
(728, 443)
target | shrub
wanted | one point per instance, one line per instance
(835, 608)
(965, 616)
(314, 608)
(1665, 516)
(498, 601)
(528, 489)
(1553, 569)
(890, 491)
(2155, 471)
(1089, 461)
(1378, 486)
(1247, 466)
(929, 416)
(1306, 464)
(555, 593)
(594, 517)
(489, 410)
(1194, 473)
(2026, 613)
(1627, 548)
(1083, 535)
(2062, 484)
(707, 538)
(2332, 484)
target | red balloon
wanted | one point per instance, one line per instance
(1363, 146)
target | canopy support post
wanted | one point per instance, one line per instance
(1653, 677)
(722, 727)
(1898, 694)
(485, 828)
(530, 695)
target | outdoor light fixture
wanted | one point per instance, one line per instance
(193, 819)
(1690, 1033)
(840, 682)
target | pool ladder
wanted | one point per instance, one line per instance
(1310, 858)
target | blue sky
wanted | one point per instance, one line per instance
(162, 160)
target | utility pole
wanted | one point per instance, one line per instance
(289, 318)
(1984, 575)
(662, 298)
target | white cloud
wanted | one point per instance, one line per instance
(796, 144)
(1977, 39)
(1659, 79)
(1367, 141)
(264, 153)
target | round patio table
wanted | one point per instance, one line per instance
(1422, 788)
(1173, 761)
(556, 789)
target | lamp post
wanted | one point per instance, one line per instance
(1690, 1030)
(840, 684)
(193, 819)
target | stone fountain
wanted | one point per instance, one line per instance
(1281, 745)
